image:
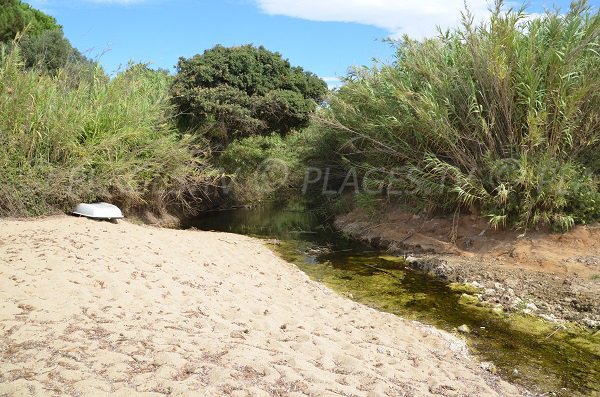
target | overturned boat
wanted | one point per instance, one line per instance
(98, 211)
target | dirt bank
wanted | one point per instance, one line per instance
(93, 308)
(553, 275)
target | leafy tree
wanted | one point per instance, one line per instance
(242, 91)
(43, 44)
(49, 50)
(16, 16)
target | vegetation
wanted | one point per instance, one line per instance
(49, 51)
(16, 16)
(501, 119)
(261, 167)
(102, 139)
(42, 41)
(237, 92)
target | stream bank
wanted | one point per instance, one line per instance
(550, 275)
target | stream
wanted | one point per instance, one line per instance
(548, 359)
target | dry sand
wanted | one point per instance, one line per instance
(93, 308)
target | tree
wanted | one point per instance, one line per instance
(48, 50)
(242, 91)
(43, 44)
(16, 16)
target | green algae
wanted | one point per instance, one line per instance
(464, 288)
(561, 359)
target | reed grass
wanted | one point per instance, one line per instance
(67, 139)
(501, 118)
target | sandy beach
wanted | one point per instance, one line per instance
(92, 308)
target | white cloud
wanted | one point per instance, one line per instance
(418, 19)
(332, 82)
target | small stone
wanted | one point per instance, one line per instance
(515, 372)
(531, 307)
(591, 323)
(549, 317)
(464, 329)
(517, 302)
(385, 351)
(488, 366)
(476, 284)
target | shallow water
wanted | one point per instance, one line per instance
(525, 350)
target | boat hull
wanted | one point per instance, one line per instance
(98, 211)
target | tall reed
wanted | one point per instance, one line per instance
(66, 139)
(501, 117)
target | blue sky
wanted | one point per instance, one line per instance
(323, 36)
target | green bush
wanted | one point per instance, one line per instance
(502, 118)
(235, 92)
(41, 39)
(258, 167)
(102, 139)
(49, 51)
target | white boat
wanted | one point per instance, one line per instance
(98, 211)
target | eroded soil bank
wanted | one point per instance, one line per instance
(555, 276)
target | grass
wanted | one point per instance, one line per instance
(499, 119)
(68, 139)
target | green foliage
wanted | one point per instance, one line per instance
(101, 139)
(50, 51)
(242, 91)
(261, 166)
(15, 16)
(502, 118)
(41, 40)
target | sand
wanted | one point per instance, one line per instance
(94, 308)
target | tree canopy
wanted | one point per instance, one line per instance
(15, 16)
(242, 91)
(43, 44)
(49, 51)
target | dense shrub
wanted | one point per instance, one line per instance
(49, 51)
(101, 139)
(236, 92)
(502, 118)
(263, 167)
